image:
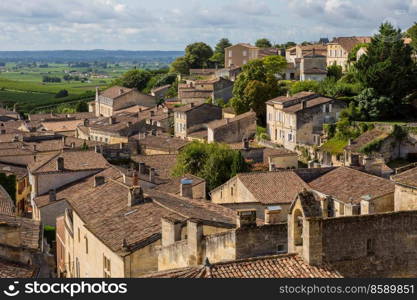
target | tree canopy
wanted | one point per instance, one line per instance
(218, 55)
(263, 43)
(412, 34)
(135, 79)
(197, 55)
(216, 163)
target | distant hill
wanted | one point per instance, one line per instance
(111, 56)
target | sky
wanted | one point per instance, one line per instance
(172, 24)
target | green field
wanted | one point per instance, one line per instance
(22, 85)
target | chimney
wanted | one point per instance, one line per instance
(142, 168)
(86, 122)
(135, 178)
(192, 104)
(135, 196)
(99, 180)
(72, 145)
(246, 218)
(194, 242)
(304, 104)
(288, 94)
(52, 195)
(34, 148)
(64, 139)
(121, 91)
(121, 146)
(96, 149)
(129, 124)
(151, 175)
(272, 215)
(60, 164)
(111, 120)
(186, 188)
(271, 167)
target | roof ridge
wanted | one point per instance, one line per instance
(256, 258)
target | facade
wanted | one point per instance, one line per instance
(338, 50)
(192, 118)
(240, 54)
(405, 190)
(199, 91)
(117, 98)
(160, 144)
(313, 67)
(160, 92)
(298, 120)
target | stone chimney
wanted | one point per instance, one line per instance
(246, 218)
(192, 104)
(60, 164)
(99, 180)
(121, 91)
(271, 167)
(52, 195)
(151, 175)
(186, 188)
(135, 196)
(171, 231)
(194, 242)
(72, 145)
(86, 122)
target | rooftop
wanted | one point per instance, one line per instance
(115, 91)
(225, 122)
(364, 139)
(348, 43)
(7, 206)
(408, 178)
(15, 270)
(162, 142)
(29, 230)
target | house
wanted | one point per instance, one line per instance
(338, 50)
(296, 53)
(232, 130)
(298, 120)
(113, 228)
(405, 189)
(240, 54)
(67, 128)
(191, 118)
(199, 91)
(54, 171)
(117, 97)
(353, 192)
(280, 158)
(159, 144)
(313, 67)
(230, 73)
(160, 92)
(269, 193)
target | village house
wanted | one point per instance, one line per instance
(313, 67)
(405, 189)
(113, 229)
(232, 130)
(338, 50)
(117, 98)
(269, 193)
(192, 119)
(200, 91)
(240, 54)
(306, 62)
(51, 172)
(280, 158)
(158, 144)
(65, 127)
(298, 120)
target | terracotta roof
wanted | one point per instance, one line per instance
(60, 126)
(11, 169)
(120, 122)
(350, 186)
(348, 43)
(277, 266)
(188, 107)
(309, 104)
(29, 230)
(173, 185)
(367, 137)
(298, 96)
(226, 122)
(408, 178)
(273, 187)
(14, 270)
(277, 152)
(162, 142)
(73, 161)
(7, 206)
(115, 91)
(53, 116)
(163, 164)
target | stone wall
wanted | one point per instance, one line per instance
(234, 131)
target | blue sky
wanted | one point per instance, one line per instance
(172, 24)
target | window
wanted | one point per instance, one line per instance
(245, 61)
(86, 244)
(290, 137)
(106, 267)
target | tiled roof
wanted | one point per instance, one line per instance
(115, 91)
(60, 126)
(349, 185)
(120, 122)
(173, 185)
(309, 104)
(408, 178)
(366, 138)
(73, 161)
(163, 164)
(29, 230)
(273, 187)
(18, 171)
(277, 152)
(225, 122)
(277, 266)
(298, 96)
(14, 270)
(348, 43)
(188, 107)
(53, 116)
(7, 206)
(162, 142)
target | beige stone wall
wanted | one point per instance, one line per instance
(405, 198)
(284, 162)
(239, 55)
(49, 213)
(336, 54)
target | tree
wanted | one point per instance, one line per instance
(197, 55)
(334, 71)
(370, 106)
(353, 54)
(180, 66)
(61, 94)
(81, 106)
(274, 64)
(215, 163)
(388, 67)
(263, 43)
(412, 34)
(135, 79)
(304, 86)
(218, 56)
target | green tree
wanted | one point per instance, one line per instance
(371, 106)
(352, 57)
(198, 55)
(135, 79)
(388, 67)
(274, 64)
(412, 34)
(304, 86)
(334, 71)
(218, 56)
(61, 94)
(215, 163)
(263, 43)
(180, 66)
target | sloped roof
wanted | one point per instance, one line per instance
(7, 206)
(350, 186)
(408, 178)
(226, 122)
(15, 270)
(29, 230)
(115, 91)
(348, 43)
(366, 138)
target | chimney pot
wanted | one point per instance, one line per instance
(135, 196)
(192, 104)
(186, 188)
(272, 216)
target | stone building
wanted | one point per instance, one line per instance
(117, 98)
(160, 92)
(113, 227)
(232, 130)
(240, 54)
(191, 118)
(298, 120)
(54, 171)
(306, 62)
(280, 158)
(338, 50)
(269, 193)
(313, 67)
(199, 91)
(405, 190)
(159, 144)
